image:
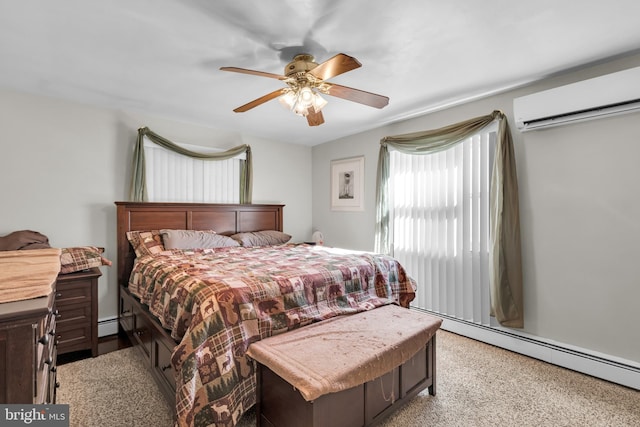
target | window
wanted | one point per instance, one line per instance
(172, 177)
(439, 206)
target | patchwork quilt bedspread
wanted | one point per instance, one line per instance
(216, 302)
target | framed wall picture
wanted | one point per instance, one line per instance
(347, 184)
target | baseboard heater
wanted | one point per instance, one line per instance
(597, 366)
(108, 326)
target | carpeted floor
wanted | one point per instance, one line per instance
(477, 384)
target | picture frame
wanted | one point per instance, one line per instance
(347, 184)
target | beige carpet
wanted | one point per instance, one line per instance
(477, 384)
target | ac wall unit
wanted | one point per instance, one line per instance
(607, 95)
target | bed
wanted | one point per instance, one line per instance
(194, 312)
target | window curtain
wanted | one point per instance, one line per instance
(138, 192)
(505, 272)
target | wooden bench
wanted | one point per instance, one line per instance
(347, 371)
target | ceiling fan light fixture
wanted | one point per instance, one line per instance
(288, 100)
(301, 110)
(318, 102)
(301, 99)
(306, 96)
(291, 100)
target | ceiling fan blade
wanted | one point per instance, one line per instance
(315, 118)
(253, 72)
(335, 66)
(259, 101)
(357, 95)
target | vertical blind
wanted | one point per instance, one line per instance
(440, 225)
(172, 177)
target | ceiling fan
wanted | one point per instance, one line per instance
(306, 80)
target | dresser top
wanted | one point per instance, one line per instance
(25, 310)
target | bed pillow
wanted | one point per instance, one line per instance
(193, 239)
(81, 258)
(145, 242)
(262, 238)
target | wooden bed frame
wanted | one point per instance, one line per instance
(156, 345)
(134, 318)
(222, 218)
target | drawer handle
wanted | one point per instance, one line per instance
(58, 295)
(139, 332)
(44, 340)
(49, 361)
(128, 310)
(164, 368)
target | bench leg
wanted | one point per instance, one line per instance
(432, 365)
(258, 397)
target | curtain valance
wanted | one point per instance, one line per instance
(138, 192)
(505, 272)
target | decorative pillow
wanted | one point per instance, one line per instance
(262, 238)
(81, 258)
(145, 242)
(194, 239)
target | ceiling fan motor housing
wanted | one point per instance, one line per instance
(301, 63)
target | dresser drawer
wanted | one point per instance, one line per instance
(76, 292)
(45, 341)
(46, 357)
(52, 385)
(142, 333)
(126, 312)
(73, 337)
(73, 314)
(163, 363)
(74, 328)
(43, 380)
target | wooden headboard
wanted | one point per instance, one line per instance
(223, 218)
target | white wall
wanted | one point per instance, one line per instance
(63, 165)
(580, 216)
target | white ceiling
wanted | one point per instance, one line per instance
(162, 57)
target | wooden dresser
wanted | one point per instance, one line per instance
(77, 304)
(28, 351)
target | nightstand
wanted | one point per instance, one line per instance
(77, 305)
